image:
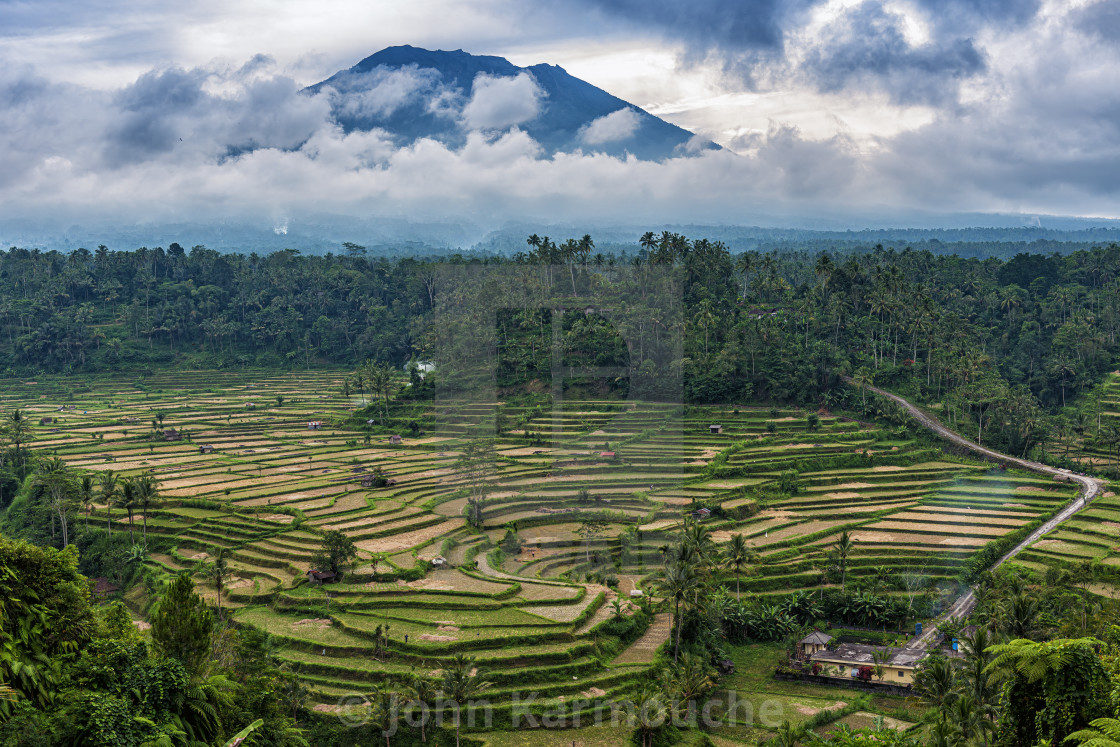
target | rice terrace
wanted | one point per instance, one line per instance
(553, 584)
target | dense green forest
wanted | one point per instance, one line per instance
(1001, 344)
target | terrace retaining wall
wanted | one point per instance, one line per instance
(850, 684)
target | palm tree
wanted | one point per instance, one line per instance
(217, 570)
(147, 491)
(692, 679)
(16, 428)
(126, 499)
(462, 682)
(696, 541)
(843, 548)
(383, 711)
(1064, 370)
(108, 485)
(862, 379)
(679, 583)
(936, 682)
(1019, 615)
(651, 713)
(55, 478)
(384, 382)
(85, 495)
(360, 382)
(976, 675)
(881, 656)
(422, 691)
(736, 554)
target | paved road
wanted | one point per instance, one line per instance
(1090, 488)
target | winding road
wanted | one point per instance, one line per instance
(1090, 488)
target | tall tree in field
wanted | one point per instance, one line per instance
(85, 495)
(108, 485)
(182, 625)
(147, 492)
(736, 554)
(590, 529)
(843, 548)
(55, 479)
(15, 427)
(679, 582)
(383, 709)
(462, 683)
(336, 551)
(126, 499)
(379, 378)
(477, 467)
(217, 570)
(422, 692)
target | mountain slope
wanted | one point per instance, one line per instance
(413, 93)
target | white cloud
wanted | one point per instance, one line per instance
(500, 102)
(611, 128)
(380, 92)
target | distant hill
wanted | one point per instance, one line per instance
(415, 93)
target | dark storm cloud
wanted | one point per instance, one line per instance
(721, 24)
(863, 49)
(866, 48)
(151, 111)
(738, 36)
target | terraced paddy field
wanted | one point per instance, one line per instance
(1092, 536)
(540, 618)
(1099, 445)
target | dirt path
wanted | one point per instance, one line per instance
(1090, 488)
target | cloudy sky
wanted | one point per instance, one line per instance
(126, 109)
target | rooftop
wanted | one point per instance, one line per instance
(864, 655)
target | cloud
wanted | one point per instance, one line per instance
(103, 162)
(772, 44)
(722, 24)
(203, 113)
(1019, 112)
(611, 128)
(1100, 19)
(956, 15)
(867, 48)
(500, 102)
(382, 91)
